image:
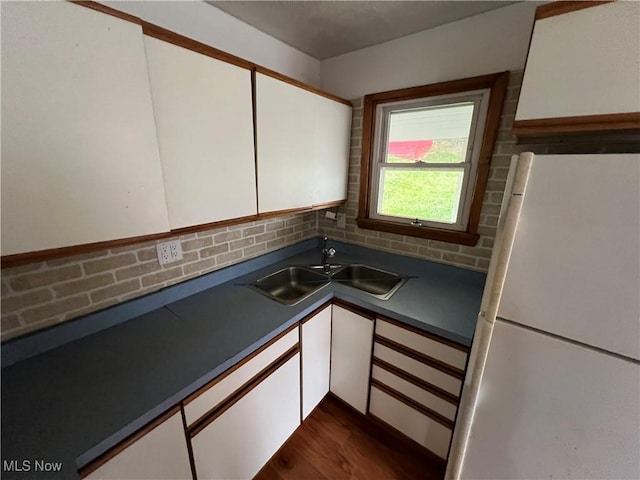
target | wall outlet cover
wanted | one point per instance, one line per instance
(169, 252)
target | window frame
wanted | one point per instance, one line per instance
(465, 232)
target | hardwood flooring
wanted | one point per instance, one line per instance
(336, 442)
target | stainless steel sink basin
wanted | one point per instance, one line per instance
(291, 285)
(374, 281)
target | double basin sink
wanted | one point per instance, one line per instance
(293, 284)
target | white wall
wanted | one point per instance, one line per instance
(209, 25)
(487, 43)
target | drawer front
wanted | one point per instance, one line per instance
(433, 348)
(238, 443)
(203, 403)
(425, 372)
(420, 395)
(422, 429)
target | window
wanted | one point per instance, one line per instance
(425, 157)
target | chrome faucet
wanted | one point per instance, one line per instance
(327, 253)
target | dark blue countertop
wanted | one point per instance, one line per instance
(72, 403)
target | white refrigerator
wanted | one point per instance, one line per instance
(553, 384)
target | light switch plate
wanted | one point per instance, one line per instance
(169, 252)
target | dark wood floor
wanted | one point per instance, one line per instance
(335, 443)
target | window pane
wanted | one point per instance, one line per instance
(433, 134)
(432, 195)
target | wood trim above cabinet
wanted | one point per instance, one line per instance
(618, 122)
(304, 86)
(108, 10)
(131, 439)
(168, 36)
(565, 6)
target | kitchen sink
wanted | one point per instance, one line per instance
(376, 282)
(291, 285)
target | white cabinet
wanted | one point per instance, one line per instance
(285, 117)
(204, 118)
(351, 343)
(80, 161)
(331, 155)
(159, 454)
(316, 359)
(583, 63)
(415, 383)
(302, 146)
(239, 442)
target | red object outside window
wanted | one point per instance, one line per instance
(409, 149)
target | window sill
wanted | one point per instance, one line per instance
(442, 235)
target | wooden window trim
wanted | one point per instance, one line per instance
(497, 83)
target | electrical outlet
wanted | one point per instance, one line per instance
(169, 252)
(342, 220)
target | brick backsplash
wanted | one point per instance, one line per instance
(41, 294)
(473, 258)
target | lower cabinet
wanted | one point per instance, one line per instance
(158, 452)
(397, 374)
(416, 380)
(351, 342)
(241, 440)
(315, 333)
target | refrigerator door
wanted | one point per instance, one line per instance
(575, 266)
(554, 410)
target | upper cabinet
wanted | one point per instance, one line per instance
(80, 160)
(583, 70)
(115, 130)
(204, 118)
(302, 146)
(331, 154)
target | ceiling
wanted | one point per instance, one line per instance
(325, 29)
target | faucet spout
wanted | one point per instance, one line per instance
(327, 253)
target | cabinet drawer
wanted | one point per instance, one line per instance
(157, 451)
(424, 372)
(238, 443)
(420, 395)
(220, 388)
(420, 428)
(450, 355)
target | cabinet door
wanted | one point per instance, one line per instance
(80, 161)
(204, 118)
(316, 357)
(351, 343)
(585, 62)
(286, 144)
(240, 441)
(160, 454)
(331, 159)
